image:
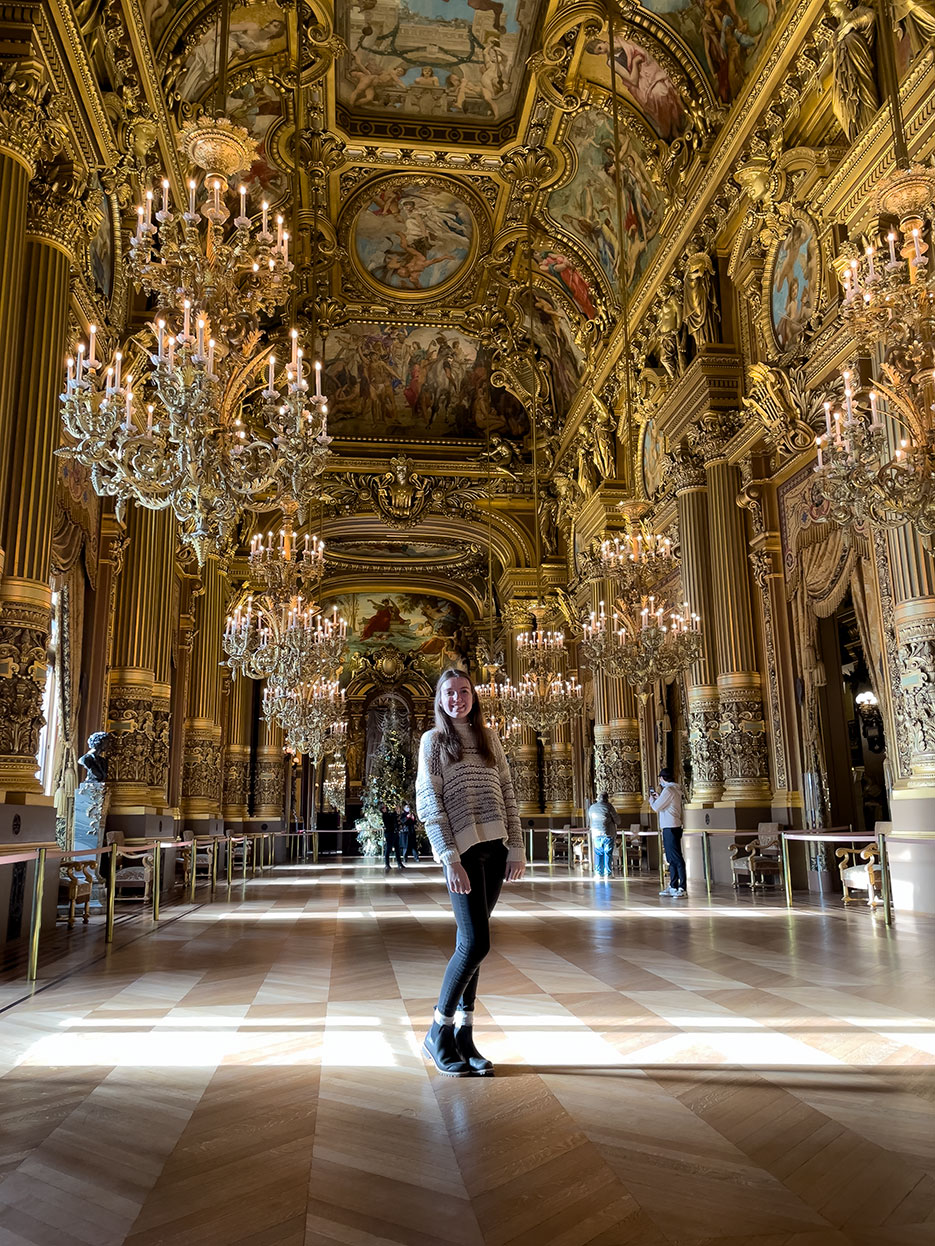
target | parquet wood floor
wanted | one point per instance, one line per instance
(670, 1073)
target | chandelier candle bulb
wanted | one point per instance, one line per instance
(875, 421)
(243, 203)
(192, 187)
(211, 358)
(92, 337)
(295, 345)
(871, 271)
(187, 322)
(920, 259)
(200, 346)
(165, 196)
(279, 223)
(891, 239)
(265, 207)
(285, 247)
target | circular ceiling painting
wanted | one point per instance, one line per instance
(412, 236)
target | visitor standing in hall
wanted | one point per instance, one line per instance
(390, 836)
(407, 834)
(602, 823)
(667, 804)
(464, 796)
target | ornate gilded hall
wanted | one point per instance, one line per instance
(586, 347)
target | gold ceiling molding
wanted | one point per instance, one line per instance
(511, 541)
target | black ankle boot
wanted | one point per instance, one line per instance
(464, 1037)
(440, 1046)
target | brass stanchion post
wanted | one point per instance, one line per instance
(706, 857)
(157, 870)
(111, 894)
(885, 878)
(786, 877)
(36, 922)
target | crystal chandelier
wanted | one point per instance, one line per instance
(281, 634)
(876, 459)
(636, 561)
(308, 713)
(174, 435)
(541, 702)
(663, 643)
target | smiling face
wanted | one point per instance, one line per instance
(456, 698)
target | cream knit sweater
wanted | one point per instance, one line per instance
(465, 802)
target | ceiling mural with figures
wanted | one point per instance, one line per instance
(391, 381)
(585, 206)
(434, 59)
(432, 630)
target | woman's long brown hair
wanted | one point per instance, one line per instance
(448, 737)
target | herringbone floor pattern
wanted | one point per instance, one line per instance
(670, 1073)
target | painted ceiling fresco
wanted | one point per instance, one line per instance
(431, 628)
(256, 31)
(403, 382)
(413, 237)
(586, 205)
(724, 35)
(639, 78)
(435, 58)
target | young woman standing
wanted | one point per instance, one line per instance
(464, 796)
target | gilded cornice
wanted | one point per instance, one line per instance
(713, 381)
(137, 26)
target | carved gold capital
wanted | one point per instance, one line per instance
(57, 211)
(27, 125)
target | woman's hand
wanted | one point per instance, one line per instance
(514, 871)
(457, 879)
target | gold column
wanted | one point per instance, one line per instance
(237, 751)
(130, 717)
(201, 763)
(270, 774)
(54, 224)
(616, 734)
(165, 625)
(744, 761)
(913, 579)
(524, 766)
(23, 130)
(558, 771)
(704, 717)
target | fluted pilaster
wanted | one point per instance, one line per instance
(29, 420)
(269, 786)
(914, 592)
(703, 699)
(130, 717)
(744, 760)
(237, 751)
(201, 763)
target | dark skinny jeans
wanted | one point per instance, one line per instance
(485, 865)
(672, 846)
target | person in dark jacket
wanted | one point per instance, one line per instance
(390, 836)
(407, 834)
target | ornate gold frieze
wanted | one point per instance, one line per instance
(201, 769)
(704, 743)
(744, 760)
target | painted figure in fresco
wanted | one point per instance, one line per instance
(644, 79)
(854, 97)
(371, 78)
(564, 270)
(727, 41)
(386, 614)
(247, 40)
